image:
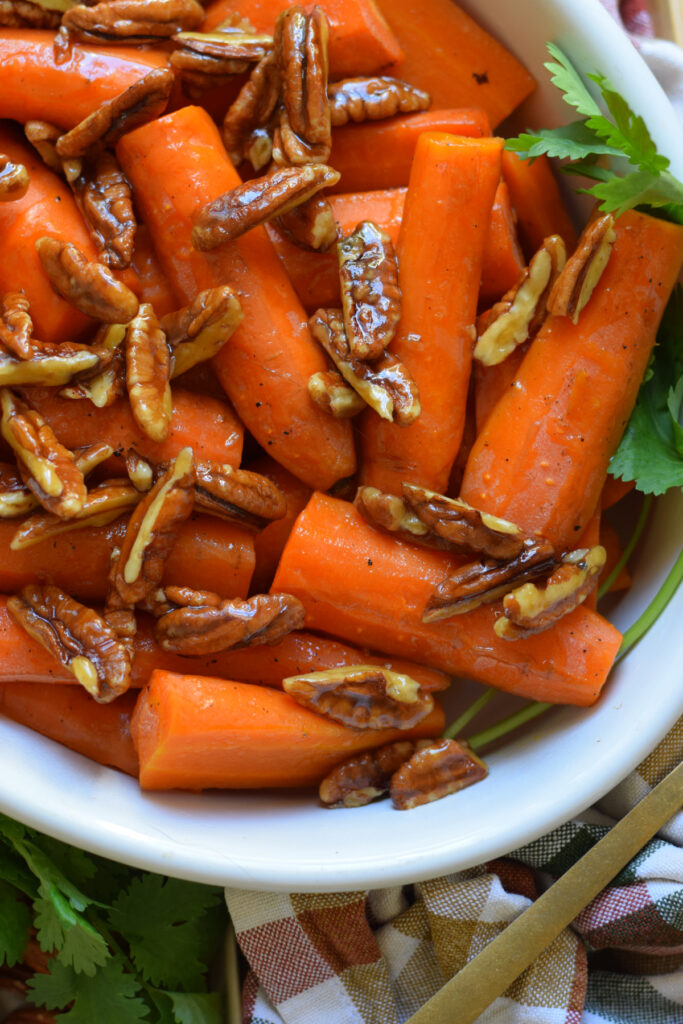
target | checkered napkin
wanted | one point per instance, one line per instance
(376, 957)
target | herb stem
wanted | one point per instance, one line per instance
(514, 721)
(654, 609)
(630, 547)
(455, 729)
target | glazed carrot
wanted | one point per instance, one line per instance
(269, 542)
(440, 252)
(206, 424)
(589, 537)
(176, 164)
(614, 490)
(609, 538)
(491, 383)
(361, 42)
(34, 85)
(69, 715)
(368, 587)
(191, 732)
(537, 201)
(209, 555)
(454, 59)
(153, 285)
(379, 154)
(542, 457)
(503, 260)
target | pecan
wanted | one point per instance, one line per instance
(245, 131)
(464, 527)
(152, 530)
(104, 198)
(257, 201)
(15, 497)
(362, 696)
(77, 637)
(90, 286)
(50, 364)
(140, 102)
(207, 629)
(370, 293)
(435, 771)
(14, 180)
(311, 225)
(43, 137)
(238, 495)
(16, 326)
(24, 14)
(520, 313)
(483, 582)
(391, 513)
(583, 269)
(530, 609)
(48, 468)
(363, 778)
(386, 386)
(62, 46)
(301, 48)
(119, 614)
(329, 391)
(133, 21)
(228, 53)
(103, 505)
(148, 372)
(103, 386)
(139, 470)
(196, 332)
(369, 99)
(92, 455)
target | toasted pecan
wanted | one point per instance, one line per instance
(238, 495)
(198, 331)
(16, 325)
(140, 471)
(582, 271)
(90, 286)
(104, 198)
(207, 629)
(132, 21)
(103, 386)
(14, 180)
(50, 364)
(434, 771)
(246, 126)
(391, 513)
(24, 14)
(43, 137)
(103, 504)
(330, 392)
(233, 48)
(15, 498)
(369, 99)
(311, 225)
(370, 292)
(465, 528)
(301, 48)
(148, 374)
(364, 777)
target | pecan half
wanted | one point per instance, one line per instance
(228, 53)
(24, 14)
(257, 201)
(133, 21)
(140, 102)
(464, 527)
(50, 364)
(14, 180)
(90, 286)
(196, 332)
(207, 629)
(363, 778)
(329, 391)
(148, 373)
(48, 469)
(583, 269)
(246, 132)
(15, 498)
(301, 48)
(16, 325)
(103, 386)
(391, 513)
(435, 771)
(311, 225)
(530, 609)
(77, 637)
(238, 495)
(362, 696)
(104, 198)
(520, 313)
(43, 137)
(370, 293)
(369, 99)
(103, 505)
(139, 471)
(386, 386)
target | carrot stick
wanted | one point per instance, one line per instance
(269, 542)
(176, 164)
(440, 252)
(34, 85)
(503, 260)
(614, 490)
(153, 285)
(541, 459)
(197, 733)
(360, 43)
(536, 199)
(368, 587)
(379, 154)
(70, 716)
(455, 59)
(491, 383)
(609, 538)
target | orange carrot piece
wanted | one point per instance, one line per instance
(440, 253)
(537, 201)
(591, 536)
(455, 59)
(153, 286)
(614, 490)
(379, 154)
(369, 587)
(176, 164)
(70, 716)
(269, 542)
(609, 538)
(503, 260)
(541, 459)
(197, 733)
(491, 383)
(361, 42)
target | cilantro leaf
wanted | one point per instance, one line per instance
(574, 141)
(628, 132)
(14, 871)
(640, 188)
(15, 922)
(567, 79)
(111, 996)
(196, 1008)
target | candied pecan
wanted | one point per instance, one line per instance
(435, 771)
(238, 495)
(530, 609)
(43, 137)
(15, 497)
(301, 48)
(90, 286)
(199, 71)
(311, 225)
(369, 99)
(330, 392)
(464, 527)
(231, 48)
(148, 373)
(139, 470)
(47, 468)
(133, 21)
(24, 14)
(245, 130)
(119, 614)
(103, 386)
(483, 582)
(362, 696)
(77, 637)
(16, 325)
(62, 46)
(370, 293)
(386, 386)
(90, 456)
(50, 364)
(256, 201)
(391, 513)
(103, 505)
(104, 198)
(196, 332)
(582, 271)
(521, 312)
(363, 778)
(207, 629)
(152, 530)
(14, 180)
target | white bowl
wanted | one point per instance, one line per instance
(559, 767)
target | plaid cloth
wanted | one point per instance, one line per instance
(376, 957)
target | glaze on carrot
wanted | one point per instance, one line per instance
(537, 201)
(153, 286)
(491, 383)
(503, 260)
(269, 542)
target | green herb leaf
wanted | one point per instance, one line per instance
(14, 871)
(111, 996)
(640, 188)
(574, 141)
(15, 922)
(564, 75)
(197, 1008)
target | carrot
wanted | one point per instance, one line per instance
(491, 383)
(69, 715)
(614, 490)
(591, 536)
(34, 85)
(368, 587)
(176, 164)
(503, 260)
(191, 732)
(379, 154)
(361, 42)
(440, 252)
(609, 538)
(269, 542)
(455, 59)
(153, 286)
(209, 555)
(537, 201)
(541, 459)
